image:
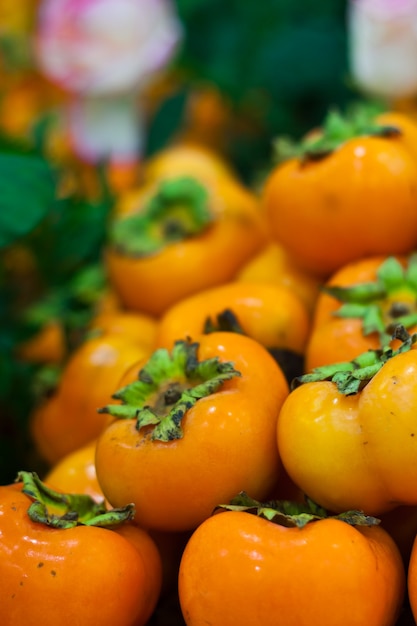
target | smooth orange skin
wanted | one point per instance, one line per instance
(69, 419)
(357, 451)
(271, 314)
(273, 265)
(153, 283)
(334, 339)
(76, 473)
(139, 327)
(405, 124)
(191, 159)
(84, 575)
(319, 439)
(388, 408)
(341, 208)
(151, 555)
(228, 445)
(240, 569)
(340, 340)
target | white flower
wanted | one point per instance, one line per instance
(96, 47)
(106, 128)
(383, 46)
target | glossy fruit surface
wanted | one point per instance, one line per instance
(77, 575)
(329, 211)
(206, 410)
(327, 573)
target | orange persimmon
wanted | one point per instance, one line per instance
(193, 425)
(273, 265)
(183, 237)
(339, 199)
(274, 568)
(270, 313)
(69, 419)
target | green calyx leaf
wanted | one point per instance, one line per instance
(167, 387)
(389, 301)
(77, 509)
(293, 514)
(179, 209)
(336, 129)
(352, 376)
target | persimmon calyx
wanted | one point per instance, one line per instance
(65, 510)
(388, 301)
(335, 131)
(352, 376)
(225, 320)
(167, 387)
(178, 209)
(293, 514)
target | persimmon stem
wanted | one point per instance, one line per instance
(335, 130)
(77, 509)
(351, 376)
(178, 209)
(167, 387)
(290, 514)
(389, 301)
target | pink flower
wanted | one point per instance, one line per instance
(105, 46)
(383, 46)
(387, 9)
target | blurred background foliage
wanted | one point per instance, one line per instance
(278, 65)
(246, 72)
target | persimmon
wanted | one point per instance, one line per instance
(188, 159)
(76, 473)
(64, 552)
(140, 328)
(346, 432)
(268, 564)
(68, 419)
(270, 313)
(337, 199)
(273, 265)
(179, 242)
(193, 425)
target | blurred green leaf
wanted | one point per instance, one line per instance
(27, 190)
(166, 121)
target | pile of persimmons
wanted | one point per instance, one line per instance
(234, 442)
